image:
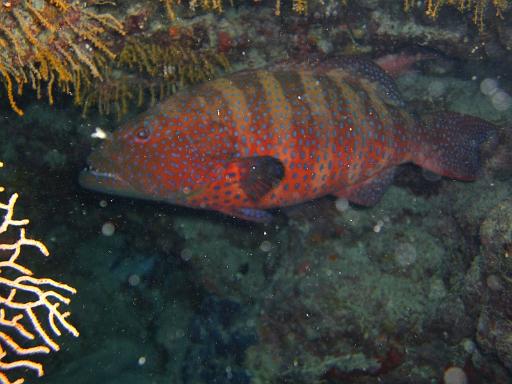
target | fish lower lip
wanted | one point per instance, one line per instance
(103, 181)
(98, 173)
(103, 174)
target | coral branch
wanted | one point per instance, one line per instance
(52, 41)
(157, 70)
(478, 8)
(30, 314)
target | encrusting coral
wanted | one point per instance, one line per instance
(52, 41)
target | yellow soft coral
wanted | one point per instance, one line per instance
(147, 71)
(478, 7)
(53, 42)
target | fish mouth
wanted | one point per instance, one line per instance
(105, 172)
(106, 182)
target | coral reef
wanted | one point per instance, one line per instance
(52, 42)
(30, 313)
(495, 321)
(206, 5)
(145, 70)
(219, 339)
(411, 290)
(478, 7)
(360, 293)
(69, 46)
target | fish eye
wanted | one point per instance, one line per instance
(142, 134)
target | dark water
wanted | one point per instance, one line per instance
(416, 289)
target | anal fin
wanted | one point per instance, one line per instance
(250, 214)
(370, 191)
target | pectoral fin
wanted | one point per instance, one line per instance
(257, 175)
(246, 181)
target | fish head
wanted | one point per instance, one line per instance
(128, 162)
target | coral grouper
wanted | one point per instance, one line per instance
(269, 138)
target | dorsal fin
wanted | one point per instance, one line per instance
(370, 191)
(356, 65)
(373, 72)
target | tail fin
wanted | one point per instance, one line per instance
(449, 144)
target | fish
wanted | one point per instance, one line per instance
(252, 141)
(396, 64)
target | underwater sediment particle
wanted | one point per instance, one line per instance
(489, 86)
(501, 101)
(52, 44)
(495, 323)
(455, 375)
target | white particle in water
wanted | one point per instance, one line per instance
(266, 246)
(341, 204)
(99, 134)
(179, 333)
(436, 89)
(186, 254)
(405, 254)
(455, 375)
(489, 86)
(494, 283)
(229, 373)
(501, 100)
(134, 280)
(108, 229)
(378, 226)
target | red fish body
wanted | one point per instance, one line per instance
(270, 138)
